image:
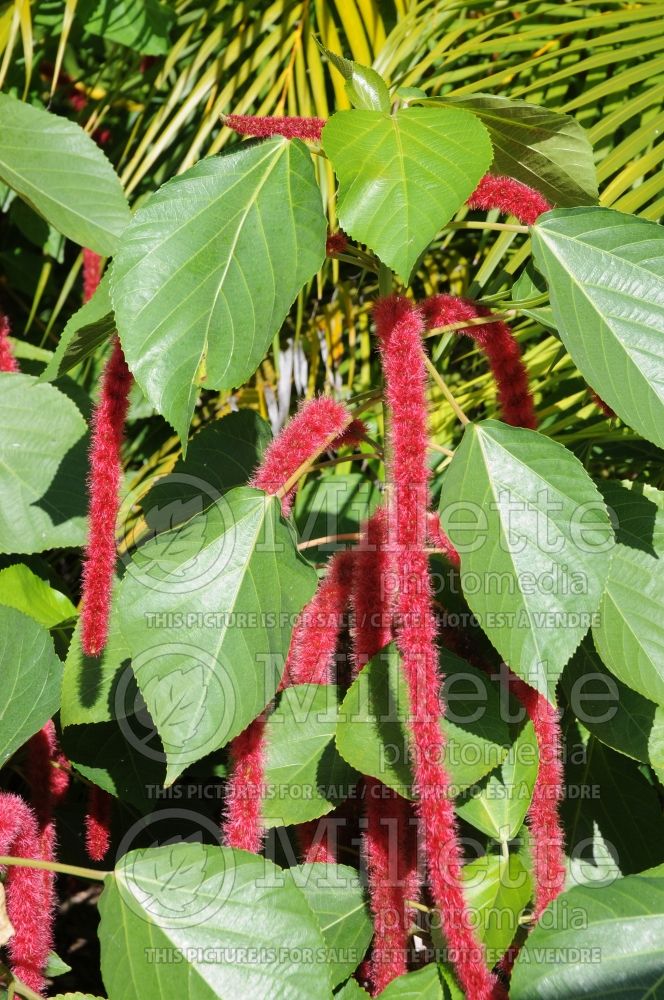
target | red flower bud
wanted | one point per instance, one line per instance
(291, 128)
(510, 197)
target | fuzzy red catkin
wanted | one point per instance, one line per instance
(8, 362)
(335, 243)
(311, 655)
(389, 841)
(316, 838)
(543, 817)
(318, 422)
(104, 501)
(30, 893)
(499, 345)
(313, 428)
(91, 273)
(399, 327)
(510, 197)
(440, 539)
(289, 127)
(98, 823)
(599, 402)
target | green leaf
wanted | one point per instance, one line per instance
(61, 172)
(498, 804)
(595, 942)
(365, 88)
(22, 589)
(222, 455)
(497, 891)
(141, 25)
(30, 680)
(335, 895)
(608, 794)
(630, 634)
(424, 984)
(637, 513)
(76, 996)
(372, 734)
(123, 757)
(255, 925)
(55, 966)
(42, 484)
(252, 233)
(351, 990)
(604, 270)
(534, 538)
(207, 611)
(618, 716)
(544, 149)
(304, 774)
(89, 328)
(402, 177)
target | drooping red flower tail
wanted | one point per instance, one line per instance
(8, 362)
(289, 127)
(242, 827)
(47, 772)
(30, 893)
(499, 345)
(98, 823)
(543, 816)
(351, 437)
(315, 637)
(510, 197)
(399, 327)
(440, 539)
(317, 840)
(91, 273)
(104, 501)
(390, 841)
(318, 422)
(313, 429)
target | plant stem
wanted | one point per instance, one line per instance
(54, 866)
(384, 281)
(358, 456)
(507, 227)
(442, 385)
(349, 536)
(16, 986)
(464, 324)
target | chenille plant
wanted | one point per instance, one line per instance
(365, 610)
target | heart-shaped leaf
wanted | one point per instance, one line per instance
(535, 542)
(199, 296)
(62, 173)
(207, 612)
(402, 177)
(604, 270)
(203, 921)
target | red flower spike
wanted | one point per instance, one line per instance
(510, 197)
(47, 772)
(104, 502)
(261, 127)
(98, 824)
(245, 790)
(315, 636)
(543, 814)
(313, 428)
(8, 362)
(399, 327)
(317, 843)
(389, 843)
(335, 243)
(318, 422)
(30, 893)
(351, 437)
(441, 540)
(497, 342)
(91, 273)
